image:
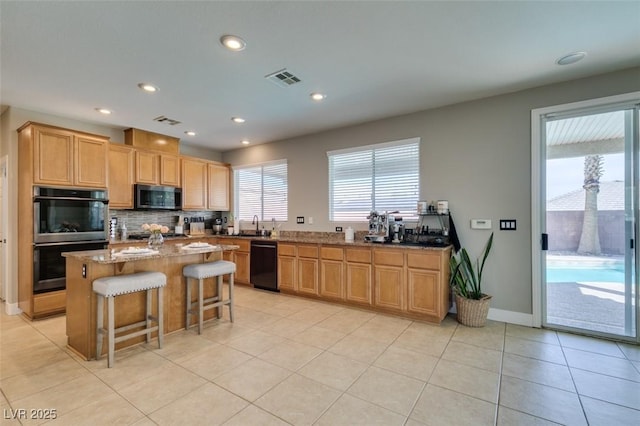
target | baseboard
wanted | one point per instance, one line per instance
(12, 309)
(510, 317)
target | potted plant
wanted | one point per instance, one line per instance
(466, 280)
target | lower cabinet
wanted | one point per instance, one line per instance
(332, 272)
(408, 282)
(240, 256)
(389, 282)
(307, 267)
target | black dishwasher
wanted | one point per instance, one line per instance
(264, 265)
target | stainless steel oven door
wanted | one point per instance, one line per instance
(49, 267)
(80, 216)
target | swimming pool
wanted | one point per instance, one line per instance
(610, 273)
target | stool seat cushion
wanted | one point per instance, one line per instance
(131, 283)
(211, 269)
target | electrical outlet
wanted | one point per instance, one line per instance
(507, 224)
(310, 220)
(338, 228)
(300, 219)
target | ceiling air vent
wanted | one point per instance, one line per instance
(283, 78)
(169, 121)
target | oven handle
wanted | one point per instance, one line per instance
(101, 200)
(67, 243)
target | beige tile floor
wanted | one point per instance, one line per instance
(289, 360)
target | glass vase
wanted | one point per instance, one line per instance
(155, 240)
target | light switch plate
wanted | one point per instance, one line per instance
(480, 223)
(507, 224)
(300, 219)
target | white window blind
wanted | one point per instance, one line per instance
(261, 190)
(382, 177)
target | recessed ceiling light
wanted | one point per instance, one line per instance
(148, 87)
(245, 142)
(318, 96)
(571, 58)
(190, 133)
(233, 43)
(104, 111)
(238, 120)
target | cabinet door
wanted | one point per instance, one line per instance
(121, 160)
(332, 279)
(218, 187)
(287, 273)
(423, 297)
(147, 168)
(242, 267)
(359, 283)
(307, 275)
(170, 170)
(52, 157)
(389, 287)
(194, 185)
(90, 165)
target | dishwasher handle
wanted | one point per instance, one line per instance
(271, 246)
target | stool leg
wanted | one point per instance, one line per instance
(231, 297)
(99, 326)
(160, 317)
(188, 319)
(220, 298)
(200, 305)
(112, 333)
(147, 315)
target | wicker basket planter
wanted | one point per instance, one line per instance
(471, 312)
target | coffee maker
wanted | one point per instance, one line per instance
(379, 231)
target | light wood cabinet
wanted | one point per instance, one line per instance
(153, 168)
(194, 184)
(287, 267)
(358, 275)
(170, 170)
(427, 284)
(413, 283)
(332, 272)
(67, 158)
(389, 281)
(240, 256)
(51, 156)
(218, 186)
(307, 267)
(121, 161)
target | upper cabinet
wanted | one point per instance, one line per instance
(170, 170)
(218, 199)
(194, 184)
(121, 159)
(66, 158)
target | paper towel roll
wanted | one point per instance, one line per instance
(349, 235)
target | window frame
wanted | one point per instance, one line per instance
(261, 166)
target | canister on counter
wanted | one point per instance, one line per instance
(442, 207)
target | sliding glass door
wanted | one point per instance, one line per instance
(589, 196)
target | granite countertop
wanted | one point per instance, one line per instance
(128, 254)
(333, 238)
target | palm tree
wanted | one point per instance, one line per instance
(590, 240)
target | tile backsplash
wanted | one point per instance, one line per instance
(135, 218)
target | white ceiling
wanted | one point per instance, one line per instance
(372, 59)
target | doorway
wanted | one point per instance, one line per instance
(4, 263)
(588, 194)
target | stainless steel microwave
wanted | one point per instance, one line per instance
(148, 197)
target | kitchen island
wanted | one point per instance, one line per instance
(83, 267)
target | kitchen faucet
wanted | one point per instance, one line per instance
(255, 221)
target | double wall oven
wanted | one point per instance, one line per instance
(65, 220)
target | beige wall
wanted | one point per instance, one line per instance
(476, 154)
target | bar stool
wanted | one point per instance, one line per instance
(200, 271)
(109, 288)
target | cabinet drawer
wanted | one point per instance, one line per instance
(286, 250)
(388, 257)
(308, 251)
(244, 245)
(332, 253)
(423, 260)
(358, 255)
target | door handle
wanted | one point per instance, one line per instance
(545, 242)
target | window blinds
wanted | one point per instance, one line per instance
(261, 190)
(383, 177)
